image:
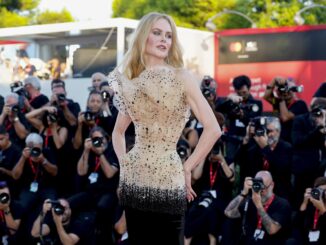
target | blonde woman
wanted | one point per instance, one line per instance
(155, 92)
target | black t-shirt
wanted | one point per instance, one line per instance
(304, 222)
(16, 212)
(321, 92)
(37, 172)
(82, 225)
(9, 158)
(279, 210)
(39, 101)
(103, 183)
(221, 183)
(297, 108)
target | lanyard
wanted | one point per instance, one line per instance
(8, 126)
(265, 164)
(97, 164)
(48, 133)
(2, 216)
(212, 174)
(316, 216)
(266, 206)
(34, 170)
(291, 104)
(96, 123)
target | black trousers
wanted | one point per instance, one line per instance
(148, 228)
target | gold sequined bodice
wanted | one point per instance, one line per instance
(151, 174)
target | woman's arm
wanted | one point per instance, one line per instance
(34, 118)
(211, 132)
(60, 137)
(118, 135)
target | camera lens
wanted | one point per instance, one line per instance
(97, 141)
(36, 152)
(4, 198)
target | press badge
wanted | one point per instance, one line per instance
(93, 177)
(314, 236)
(5, 240)
(213, 193)
(34, 186)
(259, 234)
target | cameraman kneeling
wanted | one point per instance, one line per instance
(214, 180)
(265, 216)
(56, 225)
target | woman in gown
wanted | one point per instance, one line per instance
(155, 92)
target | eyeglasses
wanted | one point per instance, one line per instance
(97, 80)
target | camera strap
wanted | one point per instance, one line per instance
(8, 125)
(212, 174)
(266, 206)
(2, 216)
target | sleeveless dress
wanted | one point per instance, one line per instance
(151, 173)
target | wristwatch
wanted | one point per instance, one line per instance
(16, 119)
(6, 212)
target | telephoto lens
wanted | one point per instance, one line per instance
(257, 185)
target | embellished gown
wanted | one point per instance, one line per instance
(151, 173)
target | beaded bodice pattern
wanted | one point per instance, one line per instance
(151, 173)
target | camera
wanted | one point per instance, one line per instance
(259, 123)
(316, 112)
(97, 141)
(207, 92)
(57, 207)
(18, 88)
(36, 152)
(15, 109)
(61, 97)
(183, 148)
(206, 199)
(89, 116)
(4, 198)
(207, 82)
(317, 193)
(217, 147)
(53, 117)
(105, 95)
(257, 185)
(285, 88)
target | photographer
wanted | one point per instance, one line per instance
(9, 156)
(97, 78)
(67, 107)
(308, 136)
(239, 108)
(90, 118)
(214, 180)
(262, 149)
(10, 216)
(49, 125)
(36, 171)
(280, 93)
(56, 224)
(35, 99)
(310, 222)
(208, 89)
(14, 120)
(265, 216)
(98, 174)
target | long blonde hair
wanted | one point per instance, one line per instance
(133, 63)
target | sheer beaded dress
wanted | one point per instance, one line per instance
(151, 173)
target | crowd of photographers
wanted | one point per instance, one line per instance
(263, 182)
